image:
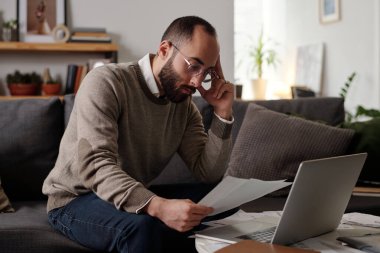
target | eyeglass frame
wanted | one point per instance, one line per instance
(210, 71)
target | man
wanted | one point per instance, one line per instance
(127, 122)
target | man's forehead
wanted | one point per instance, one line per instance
(204, 52)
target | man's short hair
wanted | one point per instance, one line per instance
(181, 29)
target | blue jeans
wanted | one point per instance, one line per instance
(98, 225)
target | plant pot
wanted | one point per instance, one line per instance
(51, 88)
(259, 88)
(22, 89)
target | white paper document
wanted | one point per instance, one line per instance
(233, 192)
(361, 219)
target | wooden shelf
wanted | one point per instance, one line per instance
(58, 47)
(2, 97)
(108, 49)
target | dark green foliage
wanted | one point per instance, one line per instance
(24, 78)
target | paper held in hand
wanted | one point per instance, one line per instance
(232, 192)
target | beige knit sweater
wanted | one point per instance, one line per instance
(120, 137)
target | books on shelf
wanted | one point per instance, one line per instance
(366, 191)
(75, 75)
(70, 78)
(97, 39)
(89, 29)
(98, 35)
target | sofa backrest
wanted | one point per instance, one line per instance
(68, 103)
(31, 130)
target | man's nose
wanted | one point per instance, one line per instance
(196, 81)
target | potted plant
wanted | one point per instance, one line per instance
(23, 84)
(50, 86)
(260, 55)
(53, 87)
(9, 28)
(366, 124)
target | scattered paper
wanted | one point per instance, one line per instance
(361, 219)
(241, 216)
(326, 243)
(233, 192)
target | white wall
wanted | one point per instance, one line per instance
(136, 25)
(351, 44)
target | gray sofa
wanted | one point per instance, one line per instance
(30, 134)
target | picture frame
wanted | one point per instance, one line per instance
(309, 67)
(38, 18)
(329, 11)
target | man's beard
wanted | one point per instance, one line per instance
(169, 78)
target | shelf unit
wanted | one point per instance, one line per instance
(110, 50)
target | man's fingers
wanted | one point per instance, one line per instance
(201, 210)
(227, 87)
(218, 68)
(201, 90)
(220, 87)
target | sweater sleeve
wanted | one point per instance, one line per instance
(98, 105)
(206, 155)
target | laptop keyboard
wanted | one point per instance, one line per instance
(261, 236)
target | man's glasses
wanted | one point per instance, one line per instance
(196, 69)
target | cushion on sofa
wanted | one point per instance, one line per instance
(271, 145)
(31, 130)
(28, 230)
(325, 109)
(5, 205)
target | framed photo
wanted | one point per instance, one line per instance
(329, 11)
(38, 18)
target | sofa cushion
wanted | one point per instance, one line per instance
(31, 130)
(271, 145)
(28, 230)
(5, 205)
(329, 110)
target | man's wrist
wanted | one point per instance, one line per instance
(225, 116)
(152, 208)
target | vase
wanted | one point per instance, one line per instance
(7, 34)
(259, 88)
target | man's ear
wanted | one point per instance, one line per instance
(164, 50)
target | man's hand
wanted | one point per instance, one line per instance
(179, 214)
(220, 95)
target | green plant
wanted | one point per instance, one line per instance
(261, 54)
(360, 110)
(12, 24)
(347, 85)
(24, 78)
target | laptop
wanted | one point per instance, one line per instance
(315, 204)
